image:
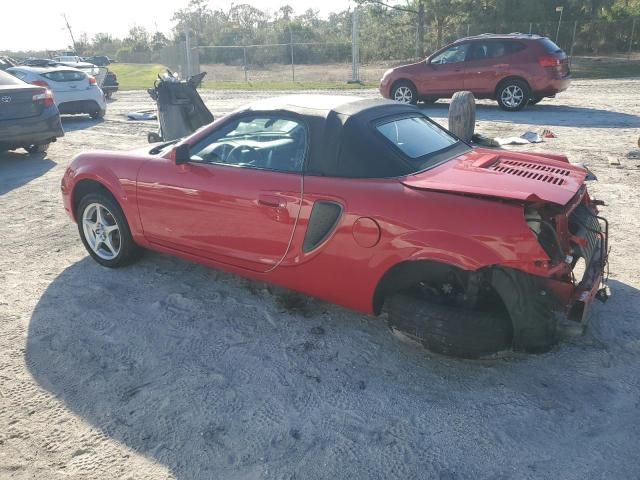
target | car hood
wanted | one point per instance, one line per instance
(504, 174)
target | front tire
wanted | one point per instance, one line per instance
(404, 92)
(105, 232)
(42, 148)
(99, 115)
(513, 95)
(453, 330)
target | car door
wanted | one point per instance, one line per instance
(444, 72)
(485, 65)
(237, 201)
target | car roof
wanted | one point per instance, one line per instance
(328, 117)
(502, 36)
(41, 70)
(318, 105)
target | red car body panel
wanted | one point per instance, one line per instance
(169, 212)
(481, 172)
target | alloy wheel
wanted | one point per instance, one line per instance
(403, 94)
(512, 96)
(101, 231)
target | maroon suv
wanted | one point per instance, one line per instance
(514, 69)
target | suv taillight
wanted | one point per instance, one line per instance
(40, 83)
(45, 97)
(549, 61)
(92, 80)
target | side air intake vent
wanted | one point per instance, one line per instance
(324, 219)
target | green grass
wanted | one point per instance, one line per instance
(141, 76)
(601, 67)
(136, 76)
(270, 85)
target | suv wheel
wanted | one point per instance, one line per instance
(513, 95)
(404, 92)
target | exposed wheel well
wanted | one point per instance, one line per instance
(408, 274)
(402, 80)
(85, 187)
(504, 80)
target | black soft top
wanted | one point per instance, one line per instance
(344, 141)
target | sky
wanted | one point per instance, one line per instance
(39, 25)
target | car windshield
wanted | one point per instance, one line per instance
(421, 141)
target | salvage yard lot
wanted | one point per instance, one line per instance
(171, 370)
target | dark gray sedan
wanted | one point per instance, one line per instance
(29, 118)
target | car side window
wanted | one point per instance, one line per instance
(455, 54)
(272, 142)
(488, 50)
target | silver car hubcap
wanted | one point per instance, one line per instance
(403, 95)
(101, 231)
(512, 96)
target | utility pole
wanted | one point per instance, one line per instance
(355, 51)
(559, 9)
(187, 38)
(73, 40)
(293, 67)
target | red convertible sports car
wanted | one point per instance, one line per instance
(366, 203)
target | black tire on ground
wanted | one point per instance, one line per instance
(42, 148)
(531, 308)
(513, 95)
(404, 91)
(462, 115)
(129, 251)
(450, 330)
(98, 115)
(108, 94)
(535, 100)
(153, 137)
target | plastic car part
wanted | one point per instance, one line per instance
(323, 220)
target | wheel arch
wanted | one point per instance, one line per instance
(510, 78)
(86, 186)
(403, 80)
(407, 273)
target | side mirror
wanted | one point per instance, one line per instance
(182, 154)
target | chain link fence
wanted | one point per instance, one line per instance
(375, 49)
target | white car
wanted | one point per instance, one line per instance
(74, 91)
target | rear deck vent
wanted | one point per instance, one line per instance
(532, 171)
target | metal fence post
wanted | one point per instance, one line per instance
(188, 48)
(355, 52)
(293, 67)
(244, 62)
(633, 32)
(530, 28)
(573, 41)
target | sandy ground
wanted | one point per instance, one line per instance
(170, 370)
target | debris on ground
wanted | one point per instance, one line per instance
(144, 115)
(524, 139)
(483, 140)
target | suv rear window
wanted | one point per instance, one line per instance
(65, 76)
(550, 46)
(416, 136)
